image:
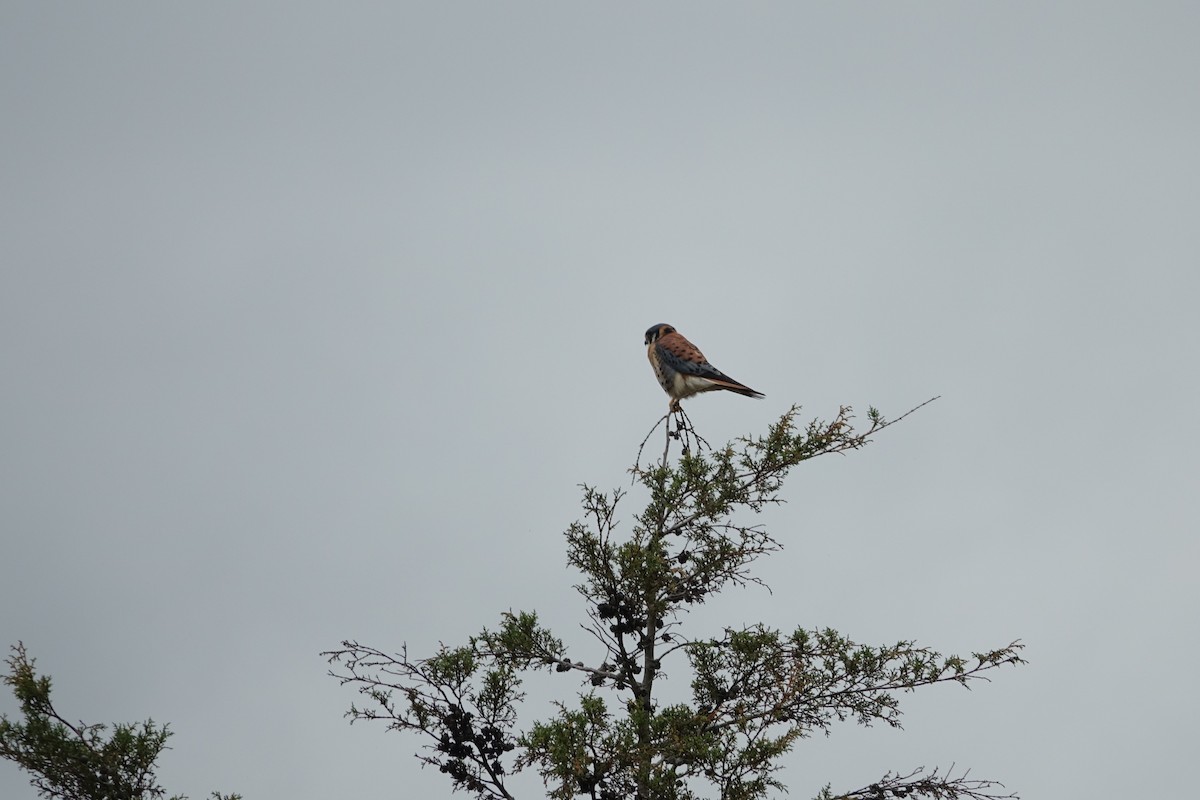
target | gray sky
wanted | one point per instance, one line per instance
(312, 316)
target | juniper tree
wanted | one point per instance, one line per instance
(755, 691)
(75, 760)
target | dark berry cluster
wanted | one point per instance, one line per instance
(595, 785)
(686, 590)
(627, 616)
(461, 741)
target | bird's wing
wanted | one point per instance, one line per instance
(679, 354)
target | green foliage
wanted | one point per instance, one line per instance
(755, 692)
(75, 761)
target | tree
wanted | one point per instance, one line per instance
(755, 692)
(74, 761)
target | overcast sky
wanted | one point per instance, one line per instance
(313, 316)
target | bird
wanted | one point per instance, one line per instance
(682, 369)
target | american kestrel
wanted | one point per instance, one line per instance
(682, 369)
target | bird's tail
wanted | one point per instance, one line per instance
(740, 388)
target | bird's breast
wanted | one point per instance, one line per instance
(688, 385)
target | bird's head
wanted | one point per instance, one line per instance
(657, 332)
